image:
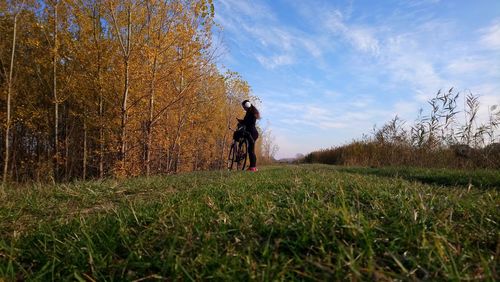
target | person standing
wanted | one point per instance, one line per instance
(250, 120)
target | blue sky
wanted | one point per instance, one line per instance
(327, 71)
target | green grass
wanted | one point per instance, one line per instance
(311, 222)
(481, 178)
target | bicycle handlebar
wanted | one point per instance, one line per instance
(239, 122)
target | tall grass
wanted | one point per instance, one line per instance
(445, 136)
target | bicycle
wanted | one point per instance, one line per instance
(238, 152)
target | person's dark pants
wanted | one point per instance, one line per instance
(251, 150)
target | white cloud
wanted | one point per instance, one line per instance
(313, 46)
(331, 94)
(417, 72)
(361, 101)
(335, 22)
(326, 116)
(474, 65)
(406, 110)
(274, 61)
(362, 38)
(424, 58)
(251, 22)
(270, 36)
(331, 124)
(286, 44)
(418, 3)
(251, 9)
(490, 36)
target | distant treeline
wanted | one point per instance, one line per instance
(446, 136)
(94, 88)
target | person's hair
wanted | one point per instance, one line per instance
(253, 110)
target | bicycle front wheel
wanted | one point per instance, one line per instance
(231, 159)
(242, 154)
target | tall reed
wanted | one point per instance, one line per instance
(444, 136)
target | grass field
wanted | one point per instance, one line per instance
(311, 222)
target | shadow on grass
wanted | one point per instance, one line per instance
(444, 177)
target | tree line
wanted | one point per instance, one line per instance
(96, 88)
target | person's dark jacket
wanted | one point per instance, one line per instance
(249, 121)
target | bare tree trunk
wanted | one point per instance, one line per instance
(173, 150)
(97, 37)
(9, 97)
(123, 132)
(67, 133)
(101, 134)
(54, 92)
(222, 161)
(160, 160)
(84, 176)
(224, 138)
(14, 172)
(149, 133)
(176, 147)
(126, 86)
(178, 159)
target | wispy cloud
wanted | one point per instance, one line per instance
(325, 117)
(490, 37)
(361, 37)
(401, 54)
(272, 62)
(473, 65)
(252, 9)
(256, 27)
